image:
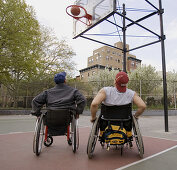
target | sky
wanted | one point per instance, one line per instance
(52, 14)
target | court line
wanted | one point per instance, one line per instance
(160, 138)
(12, 133)
(134, 163)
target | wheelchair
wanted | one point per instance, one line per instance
(118, 116)
(56, 123)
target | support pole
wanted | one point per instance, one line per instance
(163, 67)
(124, 40)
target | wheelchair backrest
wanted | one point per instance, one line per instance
(60, 117)
(117, 112)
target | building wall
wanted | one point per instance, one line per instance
(110, 58)
(84, 75)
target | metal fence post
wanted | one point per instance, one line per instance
(140, 88)
(174, 93)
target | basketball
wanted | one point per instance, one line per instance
(75, 10)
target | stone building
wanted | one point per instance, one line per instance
(108, 57)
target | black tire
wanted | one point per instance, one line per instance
(69, 142)
(49, 141)
(39, 136)
(35, 134)
(74, 140)
(138, 137)
(74, 134)
(93, 138)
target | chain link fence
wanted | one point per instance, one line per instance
(150, 91)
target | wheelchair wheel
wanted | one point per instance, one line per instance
(38, 136)
(138, 137)
(74, 134)
(49, 141)
(93, 138)
(35, 134)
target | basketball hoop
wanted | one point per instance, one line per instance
(79, 12)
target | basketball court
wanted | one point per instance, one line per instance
(17, 153)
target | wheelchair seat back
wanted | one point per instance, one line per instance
(58, 121)
(116, 112)
(60, 117)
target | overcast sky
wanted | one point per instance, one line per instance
(52, 13)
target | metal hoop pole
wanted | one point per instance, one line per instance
(163, 67)
(124, 40)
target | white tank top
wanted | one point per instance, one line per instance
(114, 97)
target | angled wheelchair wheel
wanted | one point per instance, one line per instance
(74, 134)
(138, 137)
(38, 136)
(93, 138)
(35, 134)
(49, 141)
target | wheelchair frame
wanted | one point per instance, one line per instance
(41, 135)
(95, 131)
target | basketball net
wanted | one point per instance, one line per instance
(79, 12)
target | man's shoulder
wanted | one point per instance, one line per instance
(130, 91)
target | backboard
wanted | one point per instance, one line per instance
(98, 9)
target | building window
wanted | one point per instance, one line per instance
(117, 60)
(93, 72)
(92, 60)
(118, 54)
(108, 51)
(113, 52)
(88, 74)
(107, 57)
(111, 57)
(97, 58)
(132, 64)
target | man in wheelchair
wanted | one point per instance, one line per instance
(116, 104)
(61, 96)
(63, 104)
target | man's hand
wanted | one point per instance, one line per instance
(37, 114)
(77, 116)
(136, 117)
(92, 120)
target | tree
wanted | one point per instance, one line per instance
(103, 78)
(19, 43)
(29, 53)
(172, 82)
(144, 80)
(55, 56)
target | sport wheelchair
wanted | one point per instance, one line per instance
(120, 117)
(56, 123)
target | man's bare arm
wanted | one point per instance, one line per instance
(140, 104)
(101, 96)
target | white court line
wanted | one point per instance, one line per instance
(160, 138)
(134, 163)
(12, 133)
